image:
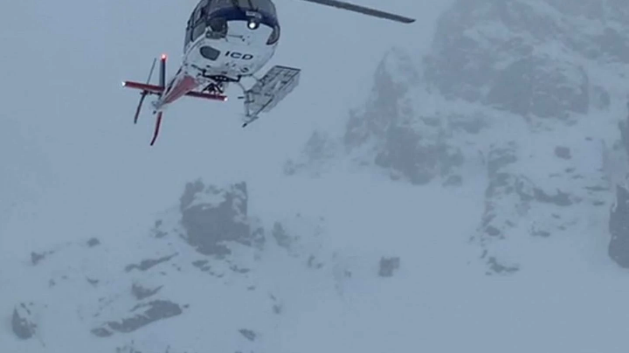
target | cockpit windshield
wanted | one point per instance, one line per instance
(214, 15)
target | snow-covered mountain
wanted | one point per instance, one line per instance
(532, 94)
(476, 201)
(207, 273)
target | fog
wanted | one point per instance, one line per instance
(74, 167)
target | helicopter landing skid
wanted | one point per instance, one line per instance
(268, 91)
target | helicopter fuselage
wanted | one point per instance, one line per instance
(231, 41)
(225, 41)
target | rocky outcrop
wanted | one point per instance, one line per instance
(623, 125)
(147, 264)
(388, 105)
(388, 265)
(143, 315)
(213, 217)
(140, 292)
(318, 151)
(390, 133)
(502, 56)
(504, 192)
(619, 228)
(483, 47)
(22, 321)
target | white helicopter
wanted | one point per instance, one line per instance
(227, 40)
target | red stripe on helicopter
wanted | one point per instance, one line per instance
(159, 89)
(180, 87)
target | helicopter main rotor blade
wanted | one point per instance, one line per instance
(363, 10)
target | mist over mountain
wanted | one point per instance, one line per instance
(464, 187)
(532, 92)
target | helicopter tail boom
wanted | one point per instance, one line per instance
(181, 85)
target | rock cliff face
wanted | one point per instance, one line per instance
(213, 217)
(619, 229)
(529, 93)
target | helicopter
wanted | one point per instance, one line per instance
(226, 41)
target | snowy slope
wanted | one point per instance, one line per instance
(465, 206)
(173, 287)
(523, 99)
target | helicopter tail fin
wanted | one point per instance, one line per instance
(162, 83)
(181, 85)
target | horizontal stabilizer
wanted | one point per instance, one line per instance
(276, 84)
(154, 89)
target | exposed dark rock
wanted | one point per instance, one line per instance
(499, 268)
(250, 335)
(202, 265)
(129, 349)
(313, 263)
(501, 186)
(318, 149)
(469, 124)
(388, 265)
(281, 236)
(35, 257)
(101, 332)
(21, 322)
(153, 311)
(541, 90)
(412, 148)
(277, 306)
(239, 269)
(213, 217)
(385, 108)
(157, 231)
(453, 180)
(596, 188)
(540, 233)
(38, 257)
(600, 97)
(561, 199)
(507, 70)
(140, 292)
(93, 242)
(563, 152)
(624, 132)
(147, 264)
(406, 152)
(500, 157)
(618, 248)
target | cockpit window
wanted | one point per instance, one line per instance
(209, 53)
(217, 26)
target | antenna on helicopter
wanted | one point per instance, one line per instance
(364, 10)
